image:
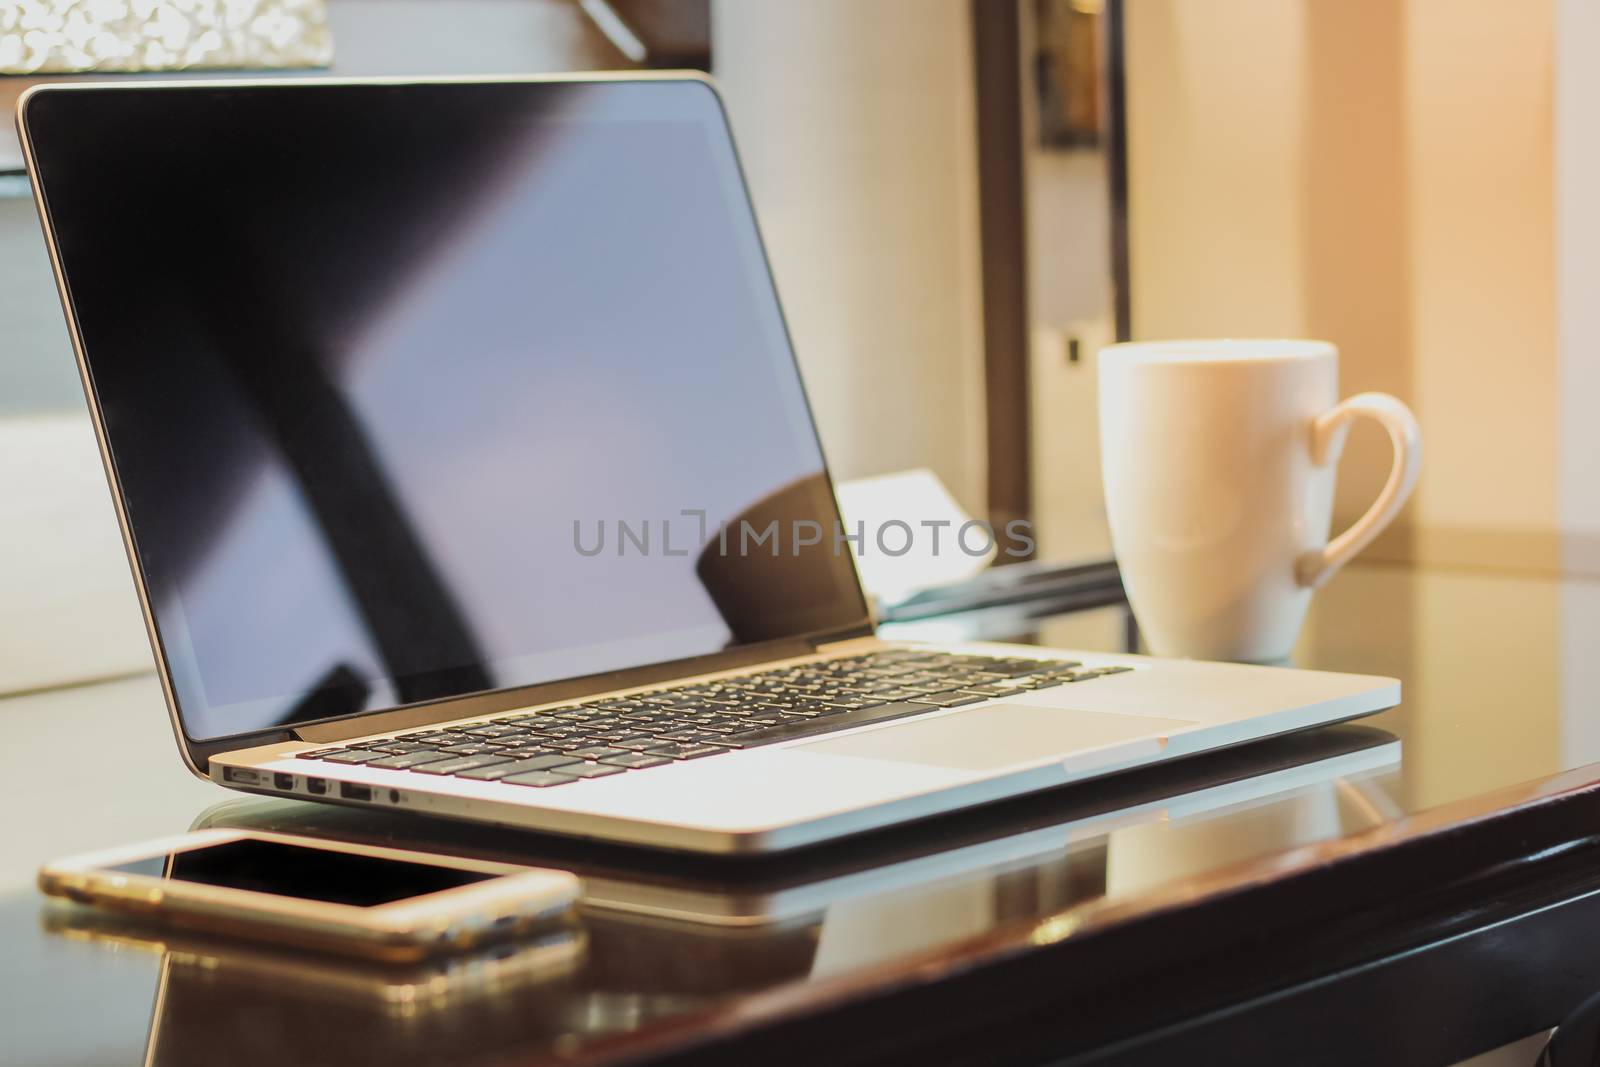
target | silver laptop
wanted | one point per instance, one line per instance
(464, 467)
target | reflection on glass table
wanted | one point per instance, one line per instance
(1499, 690)
(1499, 685)
(671, 936)
(1291, 791)
(204, 979)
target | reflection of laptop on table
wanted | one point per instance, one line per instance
(424, 406)
(1061, 832)
(307, 1007)
(834, 909)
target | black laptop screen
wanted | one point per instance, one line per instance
(418, 391)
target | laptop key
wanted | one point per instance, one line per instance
(635, 760)
(1019, 668)
(534, 747)
(539, 779)
(426, 737)
(589, 770)
(564, 729)
(595, 752)
(683, 752)
(545, 760)
(317, 753)
(950, 698)
(684, 735)
(812, 727)
(473, 749)
(499, 730)
(351, 755)
(617, 737)
(565, 744)
(503, 770)
(464, 763)
(639, 744)
(407, 760)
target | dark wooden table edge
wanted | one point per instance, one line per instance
(1256, 962)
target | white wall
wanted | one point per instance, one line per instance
(36, 368)
(1214, 145)
(70, 613)
(1577, 192)
(855, 122)
(1069, 284)
(1479, 165)
(1577, 178)
(68, 610)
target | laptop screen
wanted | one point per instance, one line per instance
(420, 391)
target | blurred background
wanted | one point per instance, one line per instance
(964, 199)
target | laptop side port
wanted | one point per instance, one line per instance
(317, 787)
(242, 776)
(282, 781)
(351, 791)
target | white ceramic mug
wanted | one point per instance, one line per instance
(1219, 460)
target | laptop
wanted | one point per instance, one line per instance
(464, 467)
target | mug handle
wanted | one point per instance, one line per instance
(1327, 442)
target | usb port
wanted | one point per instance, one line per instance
(317, 786)
(351, 791)
(283, 781)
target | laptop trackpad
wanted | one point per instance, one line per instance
(998, 735)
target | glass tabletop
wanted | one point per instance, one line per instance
(1498, 690)
(1499, 680)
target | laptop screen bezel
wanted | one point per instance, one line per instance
(197, 751)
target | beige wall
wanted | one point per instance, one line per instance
(1483, 283)
(855, 122)
(1577, 152)
(1378, 173)
(1069, 282)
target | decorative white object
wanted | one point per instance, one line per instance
(72, 36)
(1219, 460)
(883, 508)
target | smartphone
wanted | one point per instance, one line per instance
(361, 900)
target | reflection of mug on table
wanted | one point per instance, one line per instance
(1189, 841)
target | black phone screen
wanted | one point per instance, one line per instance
(303, 872)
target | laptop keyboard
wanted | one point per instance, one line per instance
(614, 735)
